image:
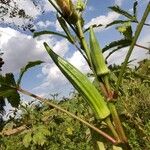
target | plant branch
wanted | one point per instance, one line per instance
(13, 131)
(142, 47)
(108, 137)
(137, 33)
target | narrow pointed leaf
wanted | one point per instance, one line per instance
(122, 42)
(135, 9)
(81, 84)
(66, 29)
(36, 34)
(116, 49)
(116, 22)
(94, 26)
(118, 10)
(28, 66)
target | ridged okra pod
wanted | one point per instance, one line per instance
(96, 54)
(81, 84)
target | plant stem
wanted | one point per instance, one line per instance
(117, 122)
(142, 47)
(108, 137)
(114, 113)
(137, 33)
(83, 42)
(111, 127)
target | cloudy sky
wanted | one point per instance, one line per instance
(20, 47)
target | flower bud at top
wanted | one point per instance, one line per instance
(68, 10)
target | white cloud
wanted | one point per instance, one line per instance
(58, 27)
(44, 24)
(20, 48)
(78, 61)
(119, 2)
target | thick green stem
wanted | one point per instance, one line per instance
(137, 33)
(108, 87)
(117, 122)
(113, 111)
(83, 42)
(111, 127)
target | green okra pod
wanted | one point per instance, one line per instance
(81, 84)
(96, 54)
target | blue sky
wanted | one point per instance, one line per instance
(19, 47)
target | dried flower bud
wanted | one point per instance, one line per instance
(68, 10)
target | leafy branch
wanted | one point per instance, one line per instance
(137, 33)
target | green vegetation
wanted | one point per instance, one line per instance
(47, 128)
(110, 112)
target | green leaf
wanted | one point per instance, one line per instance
(118, 10)
(36, 34)
(116, 22)
(116, 49)
(28, 66)
(39, 138)
(120, 43)
(63, 24)
(5, 92)
(14, 98)
(94, 26)
(27, 139)
(81, 84)
(40, 133)
(126, 30)
(2, 104)
(8, 91)
(135, 9)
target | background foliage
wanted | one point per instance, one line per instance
(46, 128)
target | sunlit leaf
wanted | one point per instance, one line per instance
(27, 139)
(126, 30)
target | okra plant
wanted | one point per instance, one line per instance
(102, 98)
